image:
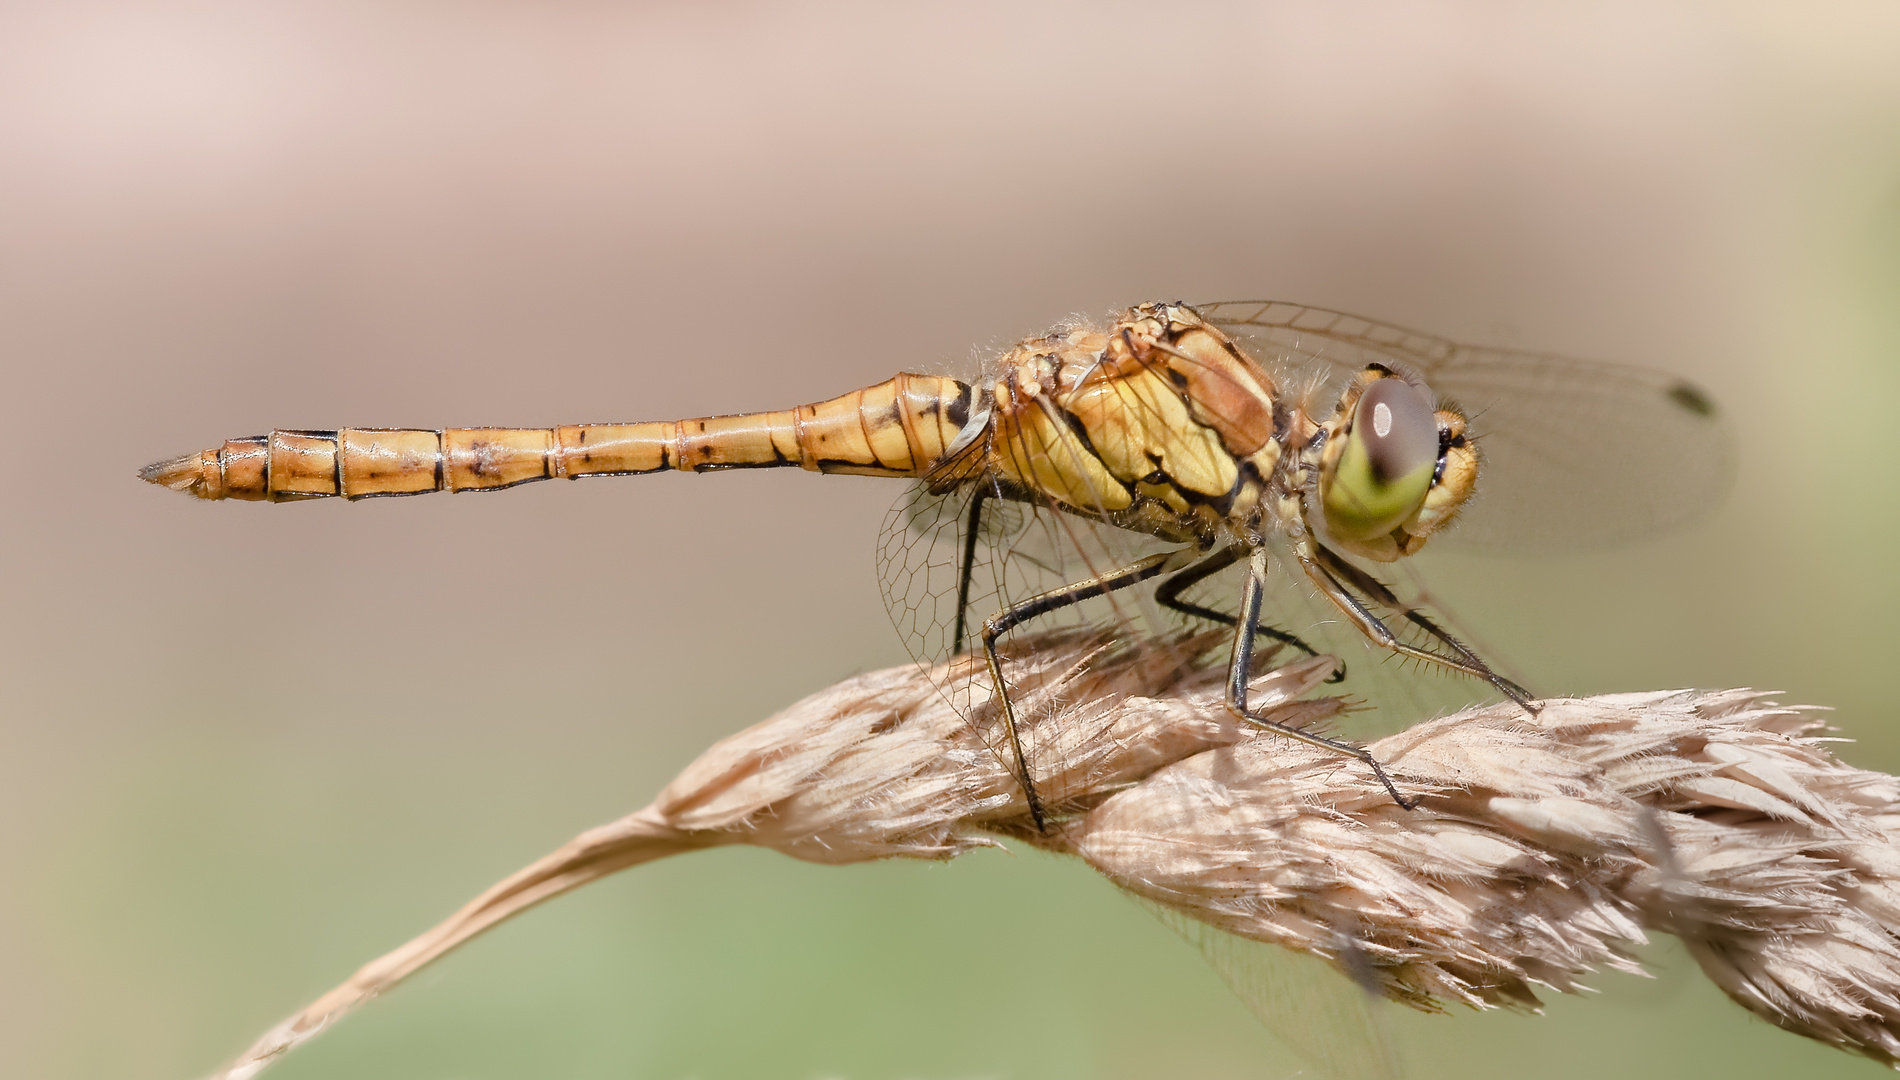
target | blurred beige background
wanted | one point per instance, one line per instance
(245, 748)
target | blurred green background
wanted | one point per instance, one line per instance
(244, 749)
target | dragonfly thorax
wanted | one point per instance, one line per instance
(1158, 424)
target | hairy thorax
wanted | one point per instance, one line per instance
(1158, 424)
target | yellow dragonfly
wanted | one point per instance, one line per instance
(1128, 471)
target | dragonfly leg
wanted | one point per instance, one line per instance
(1169, 596)
(1239, 673)
(1042, 604)
(1337, 578)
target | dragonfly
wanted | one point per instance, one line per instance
(1220, 462)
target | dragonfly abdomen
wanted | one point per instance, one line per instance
(898, 427)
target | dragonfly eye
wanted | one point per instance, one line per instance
(1384, 471)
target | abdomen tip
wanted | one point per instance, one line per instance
(179, 474)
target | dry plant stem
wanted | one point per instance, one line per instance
(588, 857)
(876, 767)
(1545, 846)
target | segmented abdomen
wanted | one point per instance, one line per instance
(898, 427)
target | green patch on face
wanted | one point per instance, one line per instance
(1361, 504)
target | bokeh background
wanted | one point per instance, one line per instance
(245, 748)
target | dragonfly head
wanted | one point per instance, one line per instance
(1395, 467)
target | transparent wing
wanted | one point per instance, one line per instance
(1016, 549)
(949, 561)
(1319, 1014)
(1575, 454)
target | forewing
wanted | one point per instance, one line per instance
(1575, 454)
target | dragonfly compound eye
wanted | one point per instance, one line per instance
(1384, 471)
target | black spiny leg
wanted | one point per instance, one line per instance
(1169, 596)
(1327, 571)
(1042, 604)
(1239, 674)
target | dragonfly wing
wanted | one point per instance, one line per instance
(1320, 1015)
(950, 560)
(1575, 455)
